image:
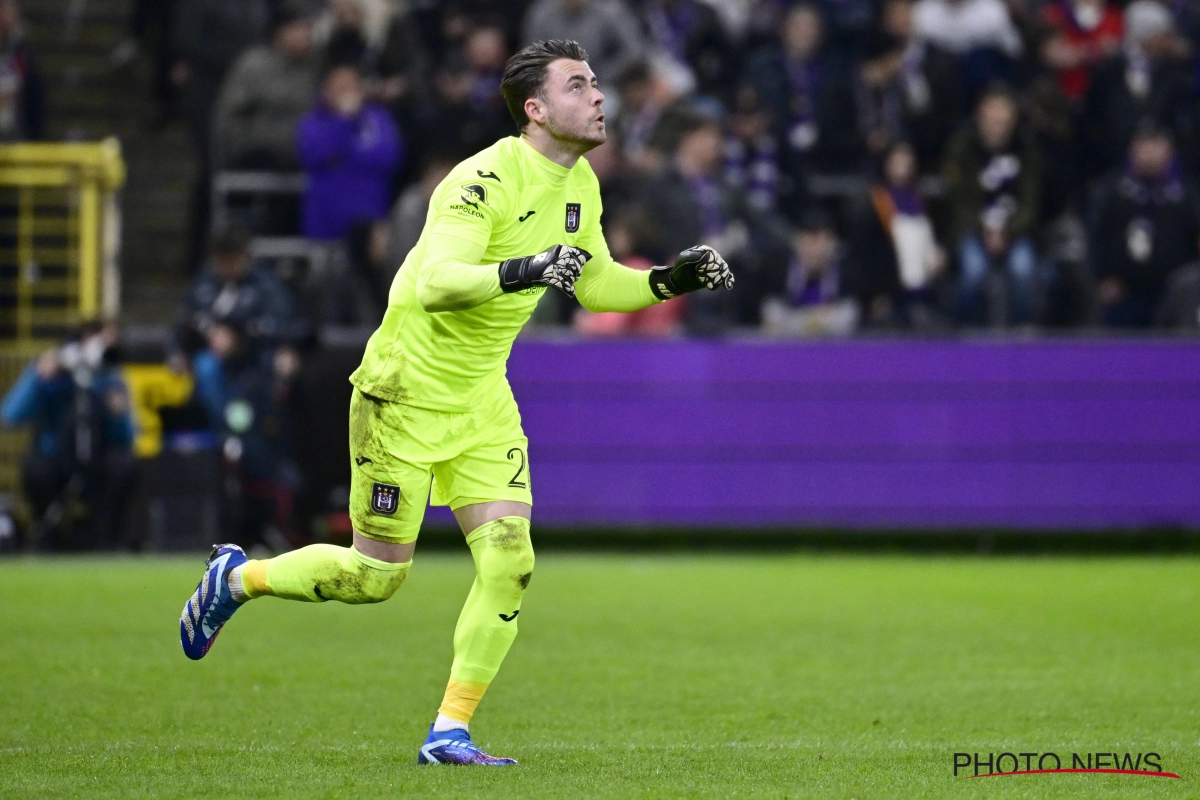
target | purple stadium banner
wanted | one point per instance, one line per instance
(1065, 434)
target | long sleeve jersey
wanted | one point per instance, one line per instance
(448, 328)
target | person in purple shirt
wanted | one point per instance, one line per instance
(350, 148)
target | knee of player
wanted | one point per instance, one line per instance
(371, 581)
(509, 553)
(381, 587)
(523, 562)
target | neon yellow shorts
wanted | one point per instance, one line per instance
(398, 452)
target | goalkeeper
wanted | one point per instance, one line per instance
(432, 416)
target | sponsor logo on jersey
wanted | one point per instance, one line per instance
(474, 194)
(491, 175)
(572, 217)
(385, 498)
(465, 210)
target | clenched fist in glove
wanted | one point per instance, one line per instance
(559, 267)
(698, 267)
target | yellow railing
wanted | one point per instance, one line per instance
(59, 234)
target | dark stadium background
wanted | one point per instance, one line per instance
(844, 404)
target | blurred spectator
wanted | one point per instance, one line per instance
(381, 41)
(233, 290)
(1180, 308)
(268, 90)
(1068, 294)
(980, 32)
(992, 187)
(207, 36)
(1082, 34)
(644, 99)
(894, 244)
(1146, 227)
(350, 149)
(486, 52)
(912, 89)
(249, 395)
(1147, 79)
(690, 46)
(467, 114)
(696, 205)
(607, 29)
(367, 249)
(631, 235)
(445, 24)
(1053, 126)
(81, 448)
(850, 25)
(813, 97)
(408, 215)
(22, 96)
(817, 299)
(752, 152)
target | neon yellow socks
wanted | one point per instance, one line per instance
(323, 572)
(487, 626)
(503, 556)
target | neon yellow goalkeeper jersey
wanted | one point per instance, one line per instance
(504, 202)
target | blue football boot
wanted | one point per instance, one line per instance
(455, 747)
(212, 605)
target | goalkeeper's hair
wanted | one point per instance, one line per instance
(525, 73)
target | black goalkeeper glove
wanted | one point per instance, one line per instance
(559, 267)
(698, 267)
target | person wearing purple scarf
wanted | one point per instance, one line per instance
(812, 98)
(819, 288)
(350, 150)
(893, 242)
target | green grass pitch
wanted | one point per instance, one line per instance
(634, 676)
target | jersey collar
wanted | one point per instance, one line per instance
(556, 173)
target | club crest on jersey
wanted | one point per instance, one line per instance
(385, 499)
(474, 194)
(572, 217)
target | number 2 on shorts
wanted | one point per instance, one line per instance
(517, 480)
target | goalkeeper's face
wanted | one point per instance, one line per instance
(572, 104)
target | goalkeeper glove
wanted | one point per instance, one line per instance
(559, 267)
(698, 267)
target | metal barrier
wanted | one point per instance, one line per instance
(59, 234)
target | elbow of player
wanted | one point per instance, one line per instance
(431, 301)
(588, 300)
(434, 299)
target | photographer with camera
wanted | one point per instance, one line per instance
(79, 469)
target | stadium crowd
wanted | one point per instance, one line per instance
(863, 164)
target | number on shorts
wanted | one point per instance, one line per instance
(517, 481)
